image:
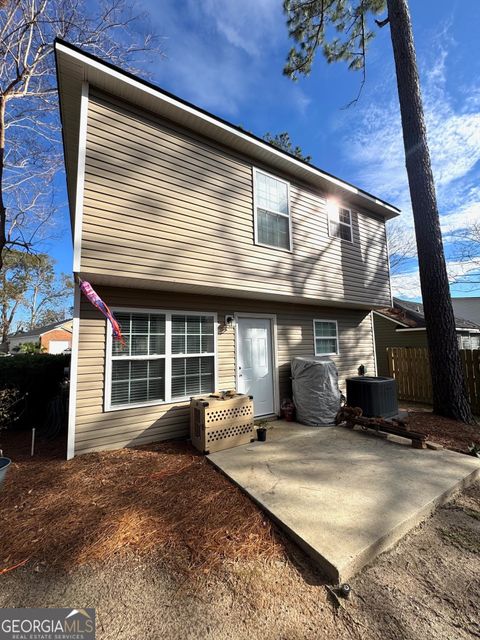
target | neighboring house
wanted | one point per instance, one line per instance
(51, 338)
(467, 308)
(403, 325)
(221, 256)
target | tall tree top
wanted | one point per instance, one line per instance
(342, 29)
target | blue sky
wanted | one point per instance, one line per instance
(227, 56)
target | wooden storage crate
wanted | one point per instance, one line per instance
(218, 423)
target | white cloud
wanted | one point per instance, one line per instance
(459, 220)
(300, 99)
(407, 285)
(218, 51)
(249, 25)
(453, 135)
(453, 126)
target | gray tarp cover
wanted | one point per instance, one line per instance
(315, 390)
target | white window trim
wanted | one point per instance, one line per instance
(349, 226)
(337, 339)
(167, 357)
(255, 170)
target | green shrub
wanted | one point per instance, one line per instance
(40, 376)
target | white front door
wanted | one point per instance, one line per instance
(255, 363)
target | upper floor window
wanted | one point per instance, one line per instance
(340, 222)
(325, 334)
(272, 211)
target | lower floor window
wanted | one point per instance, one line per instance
(325, 337)
(192, 376)
(168, 356)
(137, 381)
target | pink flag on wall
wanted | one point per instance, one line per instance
(93, 297)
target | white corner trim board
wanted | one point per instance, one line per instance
(82, 150)
(72, 403)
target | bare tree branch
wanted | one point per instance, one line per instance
(30, 142)
(401, 245)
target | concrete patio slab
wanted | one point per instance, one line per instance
(344, 496)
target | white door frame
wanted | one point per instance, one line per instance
(273, 336)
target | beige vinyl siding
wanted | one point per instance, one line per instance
(97, 429)
(387, 336)
(163, 204)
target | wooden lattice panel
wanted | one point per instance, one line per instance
(217, 423)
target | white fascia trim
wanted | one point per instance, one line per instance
(72, 403)
(82, 150)
(464, 329)
(59, 328)
(203, 116)
(391, 319)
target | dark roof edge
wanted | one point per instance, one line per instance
(190, 105)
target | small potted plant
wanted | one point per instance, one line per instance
(262, 426)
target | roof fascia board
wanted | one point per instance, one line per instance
(109, 70)
(467, 329)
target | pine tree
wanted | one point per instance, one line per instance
(342, 30)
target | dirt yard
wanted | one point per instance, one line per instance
(163, 546)
(449, 433)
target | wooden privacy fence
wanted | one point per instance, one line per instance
(411, 369)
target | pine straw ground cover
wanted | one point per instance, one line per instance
(449, 433)
(162, 498)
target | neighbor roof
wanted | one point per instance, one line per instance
(75, 67)
(39, 331)
(410, 315)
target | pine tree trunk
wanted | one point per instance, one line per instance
(448, 385)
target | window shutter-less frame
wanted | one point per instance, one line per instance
(325, 336)
(169, 356)
(272, 211)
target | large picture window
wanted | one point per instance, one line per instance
(325, 337)
(272, 211)
(168, 356)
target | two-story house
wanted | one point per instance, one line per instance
(221, 256)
